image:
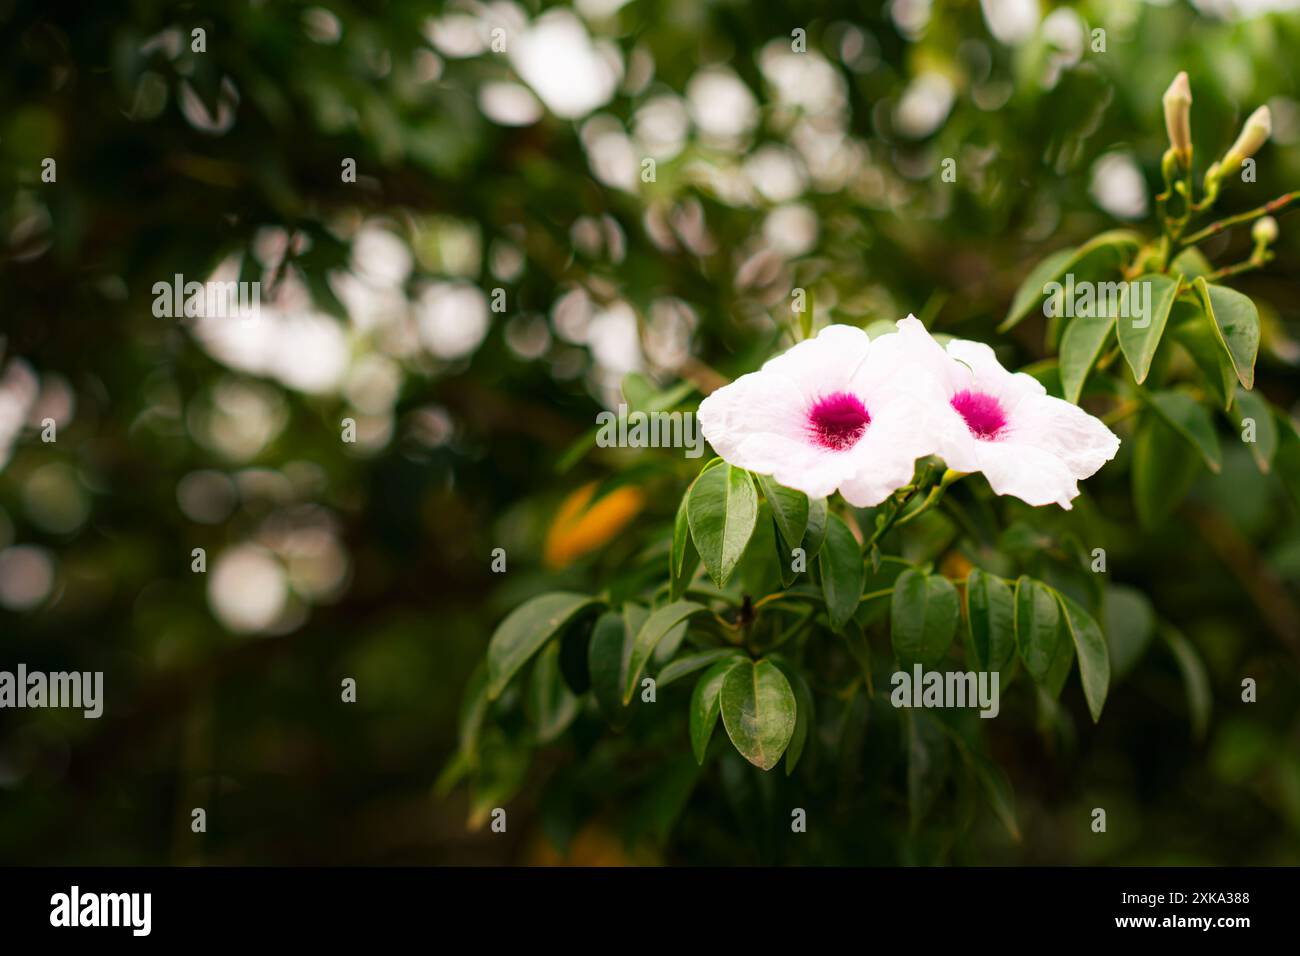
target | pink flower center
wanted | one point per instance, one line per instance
(838, 420)
(982, 414)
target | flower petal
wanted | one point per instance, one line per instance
(986, 375)
(823, 364)
(757, 403)
(1046, 445)
(1027, 472)
(1081, 441)
(759, 422)
(884, 461)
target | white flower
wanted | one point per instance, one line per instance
(835, 412)
(983, 418)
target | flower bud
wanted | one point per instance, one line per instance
(1253, 135)
(1178, 109)
(1264, 231)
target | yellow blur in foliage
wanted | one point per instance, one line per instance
(593, 845)
(955, 566)
(579, 529)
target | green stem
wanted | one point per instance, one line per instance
(933, 497)
(782, 596)
(1215, 228)
(883, 527)
(1254, 262)
(730, 632)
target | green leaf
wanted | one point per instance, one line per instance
(815, 536)
(685, 666)
(682, 558)
(1288, 455)
(640, 395)
(577, 450)
(525, 630)
(1236, 322)
(1092, 652)
(549, 704)
(670, 397)
(758, 572)
(502, 770)
(670, 644)
(924, 611)
(1030, 292)
(455, 770)
(878, 589)
(991, 620)
(1129, 626)
(1254, 407)
(840, 563)
(637, 390)
(1037, 622)
(758, 711)
(1164, 466)
(997, 788)
(1190, 263)
(927, 763)
(1197, 682)
(1190, 420)
(804, 714)
(1103, 254)
(1062, 663)
(784, 558)
(859, 648)
(706, 702)
(1080, 347)
(656, 627)
(473, 709)
(1139, 337)
(789, 508)
(634, 615)
(607, 658)
(722, 510)
(1194, 331)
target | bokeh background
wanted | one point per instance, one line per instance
(521, 169)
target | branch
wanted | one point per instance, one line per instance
(1214, 229)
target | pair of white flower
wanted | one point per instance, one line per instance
(841, 413)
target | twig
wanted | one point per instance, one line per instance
(1254, 262)
(1223, 224)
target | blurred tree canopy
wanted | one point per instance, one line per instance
(644, 183)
